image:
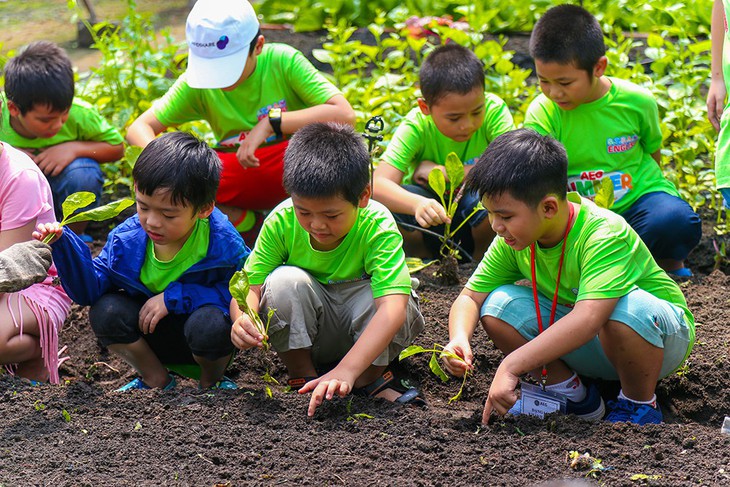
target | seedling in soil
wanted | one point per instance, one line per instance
(437, 352)
(449, 267)
(355, 417)
(39, 406)
(239, 286)
(66, 415)
(585, 461)
(82, 199)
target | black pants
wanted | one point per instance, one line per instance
(206, 332)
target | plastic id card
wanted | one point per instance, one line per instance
(537, 402)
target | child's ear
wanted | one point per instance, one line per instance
(600, 68)
(13, 109)
(550, 206)
(365, 197)
(259, 45)
(206, 210)
(423, 106)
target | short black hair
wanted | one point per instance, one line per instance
(326, 159)
(450, 68)
(40, 74)
(526, 165)
(182, 164)
(568, 34)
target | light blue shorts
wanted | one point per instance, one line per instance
(657, 321)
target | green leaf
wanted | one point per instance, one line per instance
(239, 287)
(604, 194)
(416, 264)
(101, 213)
(66, 415)
(76, 201)
(454, 170)
(412, 350)
(436, 368)
(437, 181)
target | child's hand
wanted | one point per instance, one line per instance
(54, 159)
(151, 313)
(430, 213)
(461, 348)
(716, 102)
(501, 396)
(245, 335)
(45, 229)
(326, 387)
(420, 175)
(253, 141)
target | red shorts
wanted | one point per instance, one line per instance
(254, 188)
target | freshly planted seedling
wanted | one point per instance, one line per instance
(82, 199)
(437, 352)
(449, 267)
(239, 286)
(585, 461)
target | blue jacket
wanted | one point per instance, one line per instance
(119, 264)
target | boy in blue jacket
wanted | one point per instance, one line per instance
(159, 288)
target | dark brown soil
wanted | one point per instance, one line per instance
(84, 433)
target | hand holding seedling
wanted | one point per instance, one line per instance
(245, 334)
(430, 213)
(248, 330)
(501, 396)
(335, 382)
(151, 313)
(459, 360)
(48, 232)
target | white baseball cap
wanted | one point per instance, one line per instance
(219, 33)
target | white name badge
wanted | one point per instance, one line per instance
(537, 402)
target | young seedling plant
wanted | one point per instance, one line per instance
(449, 196)
(438, 351)
(82, 199)
(240, 286)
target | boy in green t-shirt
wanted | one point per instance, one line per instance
(330, 262)
(454, 115)
(717, 110)
(253, 96)
(610, 129)
(615, 314)
(65, 137)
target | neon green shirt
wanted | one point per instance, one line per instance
(612, 137)
(283, 78)
(417, 139)
(604, 259)
(156, 274)
(84, 124)
(722, 156)
(373, 249)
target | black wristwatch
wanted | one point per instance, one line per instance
(275, 121)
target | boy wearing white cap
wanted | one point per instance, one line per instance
(253, 95)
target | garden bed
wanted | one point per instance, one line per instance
(84, 433)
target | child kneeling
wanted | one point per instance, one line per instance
(330, 262)
(159, 288)
(617, 315)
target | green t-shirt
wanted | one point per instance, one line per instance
(417, 139)
(157, 274)
(604, 259)
(84, 124)
(612, 137)
(373, 249)
(722, 156)
(283, 78)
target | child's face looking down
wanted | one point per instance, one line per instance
(41, 121)
(569, 86)
(457, 116)
(327, 220)
(517, 223)
(168, 225)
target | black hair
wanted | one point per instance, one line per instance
(568, 34)
(526, 165)
(450, 68)
(40, 74)
(252, 46)
(326, 159)
(182, 164)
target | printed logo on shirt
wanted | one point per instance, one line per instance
(235, 140)
(587, 182)
(615, 145)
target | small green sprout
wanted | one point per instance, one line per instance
(39, 406)
(585, 461)
(239, 286)
(82, 199)
(66, 415)
(438, 351)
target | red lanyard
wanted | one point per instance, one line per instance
(554, 307)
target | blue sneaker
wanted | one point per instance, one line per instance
(623, 410)
(591, 408)
(225, 384)
(138, 384)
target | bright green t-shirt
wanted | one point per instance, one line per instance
(157, 274)
(722, 156)
(84, 124)
(604, 259)
(612, 137)
(372, 249)
(417, 139)
(283, 78)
